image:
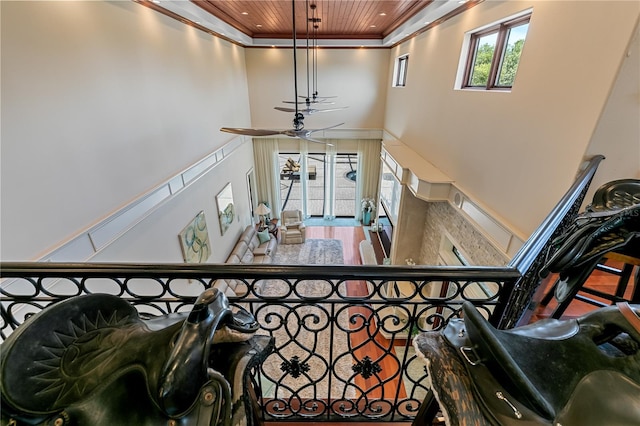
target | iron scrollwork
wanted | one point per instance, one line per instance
(367, 367)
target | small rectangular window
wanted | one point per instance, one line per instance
(494, 55)
(400, 71)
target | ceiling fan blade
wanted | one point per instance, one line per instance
(310, 102)
(305, 134)
(325, 128)
(315, 110)
(285, 109)
(308, 111)
(319, 97)
(251, 132)
(306, 138)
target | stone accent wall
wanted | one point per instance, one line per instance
(440, 217)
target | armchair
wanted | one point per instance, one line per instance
(292, 229)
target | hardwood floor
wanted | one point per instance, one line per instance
(349, 235)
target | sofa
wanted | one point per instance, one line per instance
(249, 249)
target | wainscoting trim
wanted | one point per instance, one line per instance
(86, 244)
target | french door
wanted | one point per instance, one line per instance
(328, 189)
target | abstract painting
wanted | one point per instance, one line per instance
(226, 213)
(194, 240)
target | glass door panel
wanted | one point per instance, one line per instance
(290, 186)
(315, 193)
(291, 183)
(346, 166)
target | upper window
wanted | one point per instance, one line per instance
(400, 71)
(494, 54)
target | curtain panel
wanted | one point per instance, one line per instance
(265, 157)
(368, 173)
(330, 180)
(304, 176)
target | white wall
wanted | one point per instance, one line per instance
(358, 77)
(155, 239)
(102, 101)
(518, 152)
(617, 135)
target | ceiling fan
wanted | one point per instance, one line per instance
(315, 97)
(309, 99)
(298, 130)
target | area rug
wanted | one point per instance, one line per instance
(311, 252)
(414, 372)
(306, 341)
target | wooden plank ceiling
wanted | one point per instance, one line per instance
(339, 19)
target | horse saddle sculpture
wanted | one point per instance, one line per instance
(583, 371)
(91, 360)
(592, 235)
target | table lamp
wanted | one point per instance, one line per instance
(262, 211)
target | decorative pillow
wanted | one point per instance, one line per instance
(263, 236)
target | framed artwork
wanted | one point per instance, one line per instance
(194, 240)
(226, 210)
(250, 187)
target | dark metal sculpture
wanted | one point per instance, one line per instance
(91, 360)
(610, 224)
(570, 372)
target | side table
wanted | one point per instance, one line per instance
(273, 227)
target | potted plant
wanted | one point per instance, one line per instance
(368, 207)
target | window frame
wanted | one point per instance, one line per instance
(400, 71)
(501, 29)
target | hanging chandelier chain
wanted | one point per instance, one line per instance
(315, 22)
(298, 119)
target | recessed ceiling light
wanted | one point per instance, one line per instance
(383, 14)
(245, 13)
(259, 26)
(372, 26)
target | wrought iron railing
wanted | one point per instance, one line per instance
(342, 334)
(535, 252)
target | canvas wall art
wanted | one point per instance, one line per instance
(194, 240)
(226, 210)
